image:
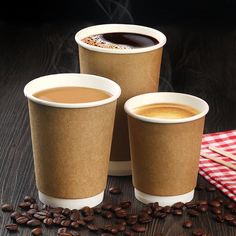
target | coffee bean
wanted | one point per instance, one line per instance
(107, 206)
(153, 205)
(57, 210)
(228, 217)
(107, 214)
(15, 215)
(88, 219)
(202, 202)
(93, 227)
(191, 205)
(37, 231)
(74, 233)
(219, 218)
(61, 230)
(187, 224)
(147, 210)
(232, 222)
(22, 220)
(7, 207)
(211, 189)
(39, 216)
(167, 209)
(160, 215)
(48, 221)
(25, 205)
(178, 205)
(145, 218)
(115, 190)
(11, 227)
(132, 219)
(138, 228)
(121, 213)
(116, 208)
(74, 225)
(230, 205)
(97, 210)
(75, 211)
(57, 220)
(34, 206)
(216, 210)
(75, 216)
(125, 204)
(199, 232)
(54, 215)
(193, 212)
(65, 223)
(31, 211)
(29, 199)
(66, 211)
(81, 222)
(121, 228)
(33, 223)
(29, 216)
(202, 208)
(87, 211)
(129, 232)
(219, 199)
(177, 212)
(65, 234)
(214, 203)
(121, 221)
(110, 229)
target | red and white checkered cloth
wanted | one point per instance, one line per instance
(221, 176)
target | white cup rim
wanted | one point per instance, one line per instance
(72, 79)
(168, 97)
(131, 28)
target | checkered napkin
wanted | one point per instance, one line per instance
(221, 176)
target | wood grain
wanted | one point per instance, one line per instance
(29, 51)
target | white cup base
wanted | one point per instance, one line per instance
(71, 203)
(163, 200)
(119, 168)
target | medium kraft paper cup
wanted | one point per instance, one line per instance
(135, 70)
(165, 152)
(71, 141)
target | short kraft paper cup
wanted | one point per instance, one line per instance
(71, 141)
(165, 152)
(135, 70)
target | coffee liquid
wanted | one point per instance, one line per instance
(72, 95)
(121, 40)
(166, 111)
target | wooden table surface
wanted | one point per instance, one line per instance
(29, 51)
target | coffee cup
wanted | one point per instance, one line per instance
(136, 70)
(71, 141)
(165, 148)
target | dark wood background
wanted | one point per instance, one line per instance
(199, 58)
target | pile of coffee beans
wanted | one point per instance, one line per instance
(120, 217)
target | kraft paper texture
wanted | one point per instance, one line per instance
(71, 149)
(165, 156)
(135, 73)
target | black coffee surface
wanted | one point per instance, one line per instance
(130, 39)
(121, 40)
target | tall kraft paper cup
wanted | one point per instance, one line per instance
(71, 141)
(135, 70)
(165, 152)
